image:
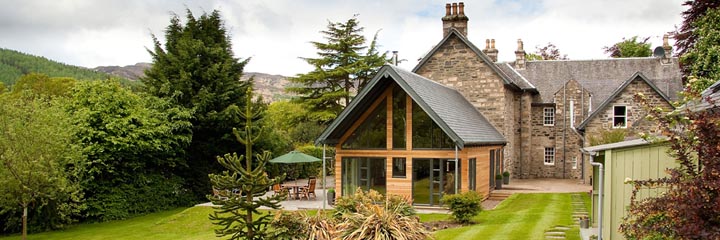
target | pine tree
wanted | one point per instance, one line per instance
(240, 183)
(341, 68)
(197, 70)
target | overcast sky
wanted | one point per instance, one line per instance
(275, 33)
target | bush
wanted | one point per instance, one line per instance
(506, 174)
(369, 215)
(351, 204)
(288, 225)
(463, 206)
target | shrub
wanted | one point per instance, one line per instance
(506, 174)
(607, 136)
(463, 206)
(321, 227)
(288, 225)
(371, 216)
(498, 177)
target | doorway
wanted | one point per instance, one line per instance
(433, 178)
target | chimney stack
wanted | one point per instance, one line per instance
(668, 49)
(455, 18)
(520, 56)
(490, 49)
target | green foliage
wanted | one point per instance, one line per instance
(464, 206)
(607, 136)
(14, 64)
(685, 38)
(630, 48)
(235, 214)
(44, 85)
(134, 145)
(353, 203)
(289, 225)
(36, 159)
(341, 68)
(197, 70)
(687, 208)
(506, 174)
(370, 216)
(533, 57)
(702, 60)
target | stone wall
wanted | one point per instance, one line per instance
(457, 66)
(636, 122)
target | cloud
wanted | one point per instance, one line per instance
(275, 33)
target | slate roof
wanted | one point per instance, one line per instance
(601, 77)
(618, 90)
(457, 117)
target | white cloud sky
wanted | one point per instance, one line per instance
(94, 33)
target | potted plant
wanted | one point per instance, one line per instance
(506, 177)
(498, 181)
(331, 196)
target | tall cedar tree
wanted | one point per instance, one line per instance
(629, 48)
(340, 69)
(703, 59)
(237, 186)
(198, 71)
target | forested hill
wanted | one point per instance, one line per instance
(14, 64)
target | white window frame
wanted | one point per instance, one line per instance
(549, 156)
(574, 161)
(549, 116)
(625, 120)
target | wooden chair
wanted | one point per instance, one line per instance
(280, 190)
(309, 190)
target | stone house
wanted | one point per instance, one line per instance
(548, 110)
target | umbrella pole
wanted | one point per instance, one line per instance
(323, 179)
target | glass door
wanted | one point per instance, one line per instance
(433, 178)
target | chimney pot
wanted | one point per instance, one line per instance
(665, 40)
(454, 9)
(520, 45)
(487, 44)
(520, 56)
(492, 43)
(462, 8)
(447, 10)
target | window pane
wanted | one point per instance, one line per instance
(399, 168)
(371, 134)
(549, 156)
(620, 110)
(399, 120)
(425, 133)
(365, 173)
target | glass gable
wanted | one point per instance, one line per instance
(372, 133)
(399, 121)
(426, 134)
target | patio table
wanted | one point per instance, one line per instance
(295, 188)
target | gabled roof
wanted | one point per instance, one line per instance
(457, 117)
(636, 75)
(454, 32)
(601, 76)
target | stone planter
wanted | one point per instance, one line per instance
(584, 223)
(506, 180)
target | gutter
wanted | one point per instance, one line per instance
(600, 195)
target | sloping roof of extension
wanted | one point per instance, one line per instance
(712, 93)
(601, 76)
(508, 81)
(618, 90)
(446, 107)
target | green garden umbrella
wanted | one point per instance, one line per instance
(295, 157)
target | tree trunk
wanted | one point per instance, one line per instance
(24, 223)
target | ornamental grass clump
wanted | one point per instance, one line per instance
(464, 206)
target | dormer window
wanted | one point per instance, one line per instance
(619, 116)
(549, 116)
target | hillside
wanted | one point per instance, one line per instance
(14, 64)
(271, 87)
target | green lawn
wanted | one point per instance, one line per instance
(522, 216)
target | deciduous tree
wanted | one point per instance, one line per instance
(35, 152)
(629, 48)
(702, 60)
(549, 52)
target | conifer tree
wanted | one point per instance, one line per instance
(340, 68)
(238, 185)
(197, 70)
